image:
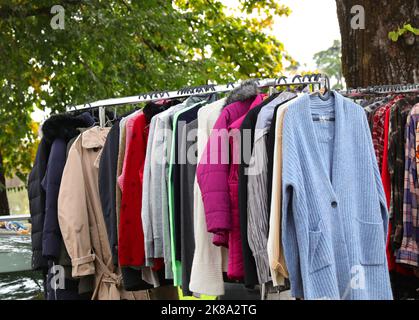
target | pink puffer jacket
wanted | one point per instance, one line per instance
(217, 176)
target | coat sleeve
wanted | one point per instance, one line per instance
(212, 177)
(131, 235)
(257, 211)
(292, 244)
(73, 216)
(146, 217)
(51, 238)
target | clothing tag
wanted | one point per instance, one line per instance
(322, 118)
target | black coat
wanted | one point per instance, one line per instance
(249, 123)
(58, 130)
(107, 187)
(43, 189)
(36, 196)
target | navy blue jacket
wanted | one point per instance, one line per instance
(51, 237)
(36, 195)
(58, 130)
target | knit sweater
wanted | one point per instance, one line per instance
(275, 248)
(257, 210)
(334, 208)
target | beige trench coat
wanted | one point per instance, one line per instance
(81, 219)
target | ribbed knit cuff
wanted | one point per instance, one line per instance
(262, 266)
(149, 249)
(207, 279)
(168, 272)
(158, 248)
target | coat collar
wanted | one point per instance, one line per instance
(94, 137)
(65, 126)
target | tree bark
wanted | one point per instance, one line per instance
(4, 203)
(369, 57)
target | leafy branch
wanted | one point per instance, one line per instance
(395, 35)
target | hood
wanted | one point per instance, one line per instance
(247, 89)
(65, 126)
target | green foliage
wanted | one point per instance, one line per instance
(118, 48)
(329, 62)
(395, 35)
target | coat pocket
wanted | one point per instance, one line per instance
(372, 244)
(319, 254)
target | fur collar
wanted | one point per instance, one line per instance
(247, 89)
(65, 126)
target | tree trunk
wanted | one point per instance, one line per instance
(4, 203)
(369, 57)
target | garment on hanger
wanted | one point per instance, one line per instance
(276, 257)
(151, 232)
(334, 208)
(36, 195)
(396, 162)
(131, 256)
(183, 176)
(57, 131)
(247, 126)
(107, 186)
(159, 205)
(81, 219)
(378, 129)
(219, 183)
(131, 239)
(187, 178)
(409, 251)
(172, 181)
(257, 210)
(394, 155)
(209, 261)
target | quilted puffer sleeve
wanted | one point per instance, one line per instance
(212, 178)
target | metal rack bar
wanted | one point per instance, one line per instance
(313, 79)
(15, 217)
(382, 89)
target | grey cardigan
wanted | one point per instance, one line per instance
(257, 211)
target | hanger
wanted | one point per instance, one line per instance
(92, 113)
(283, 78)
(110, 121)
(324, 92)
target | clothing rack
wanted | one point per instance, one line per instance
(381, 89)
(321, 80)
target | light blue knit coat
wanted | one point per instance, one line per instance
(334, 217)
